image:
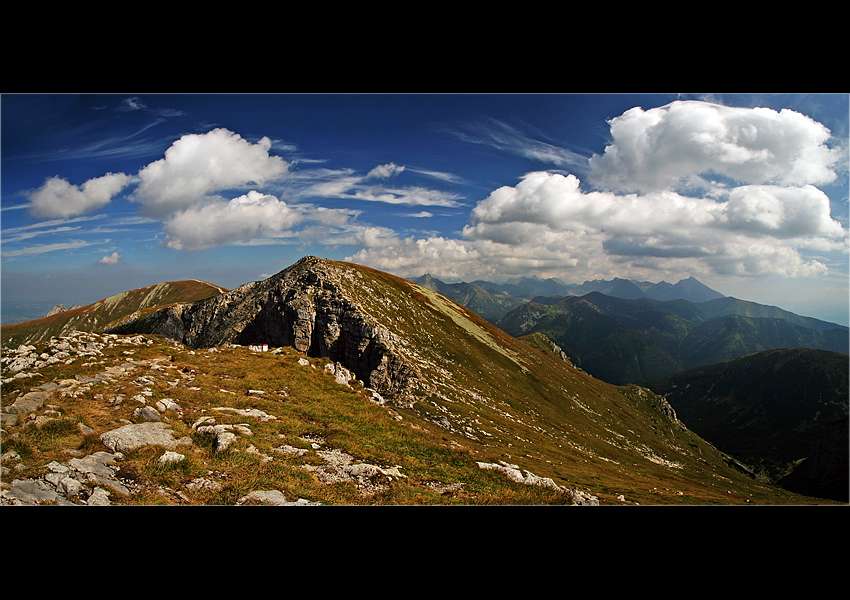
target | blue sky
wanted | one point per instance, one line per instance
(748, 193)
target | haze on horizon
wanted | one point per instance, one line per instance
(747, 193)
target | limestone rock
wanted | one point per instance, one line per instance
(514, 473)
(56, 310)
(171, 457)
(130, 437)
(273, 497)
(306, 307)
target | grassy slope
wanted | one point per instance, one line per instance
(782, 399)
(511, 401)
(98, 315)
(313, 407)
(623, 341)
(496, 397)
(439, 467)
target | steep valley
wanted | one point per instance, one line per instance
(625, 341)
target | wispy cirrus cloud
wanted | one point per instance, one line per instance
(346, 184)
(45, 248)
(505, 137)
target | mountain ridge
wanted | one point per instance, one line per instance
(107, 312)
(529, 286)
(439, 366)
(773, 408)
(624, 340)
(440, 363)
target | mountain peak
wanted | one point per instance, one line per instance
(441, 369)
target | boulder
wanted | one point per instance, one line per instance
(130, 437)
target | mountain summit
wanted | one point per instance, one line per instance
(443, 367)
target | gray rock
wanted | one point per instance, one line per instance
(274, 498)
(97, 463)
(100, 497)
(70, 487)
(514, 473)
(29, 402)
(33, 491)
(147, 413)
(307, 307)
(171, 457)
(129, 437)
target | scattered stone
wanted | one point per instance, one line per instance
(514, 473)
(249, 412)
(33, 491)
(287, 449)
(100, 497)
(224, 437)
(28, 403)
(66, 485)
(203, 421)
(171, 457)
(369, 479)
(147, 413)
(274, 498)
(129, 437)
(167, 404)
(202, 483)
(341, 375)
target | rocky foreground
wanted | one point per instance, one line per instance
(119, 384)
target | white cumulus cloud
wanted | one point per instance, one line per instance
(690, 188)
(111, 259)
(758, 228)
(239, 220)
(660, 147)
(197, 165)
(59, 198)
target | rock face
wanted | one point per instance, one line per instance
(56, 309)
(305, 307)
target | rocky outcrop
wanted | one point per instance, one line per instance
(56, 309)
(101, 478)
(305, 307)
(515, 473)
(59, 308)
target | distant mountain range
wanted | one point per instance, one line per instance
(624, 331)
(493, 300)
(625, 341)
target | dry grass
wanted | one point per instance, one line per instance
(305, 403)
(514, 403)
